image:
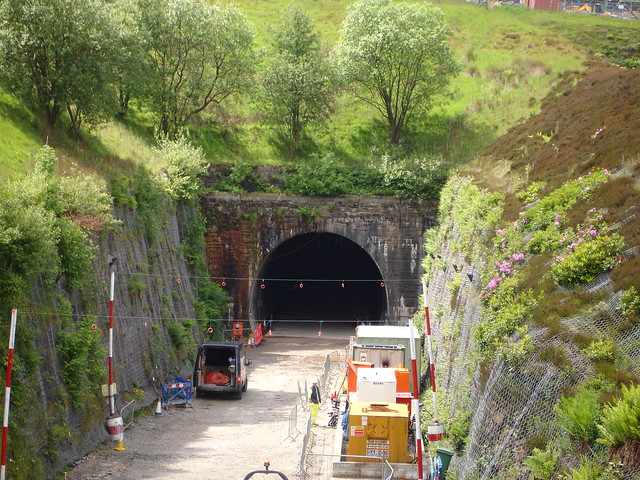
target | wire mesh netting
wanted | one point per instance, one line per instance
(511, 407)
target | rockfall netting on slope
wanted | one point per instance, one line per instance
(515, 408)
(142, 345)
(510, 406)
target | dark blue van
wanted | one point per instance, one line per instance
(221, 367)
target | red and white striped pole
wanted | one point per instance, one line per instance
(430, 349)
(415, 403)
(7, 394)
(114, 424)
(112, 407)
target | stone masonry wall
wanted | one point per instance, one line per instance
(243, 228)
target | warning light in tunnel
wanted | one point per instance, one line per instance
(223, 283)
(210, 330)
(342, 284)
(301, 285)
(382, 284)
(263, 286)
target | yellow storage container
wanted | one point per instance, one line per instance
(379, 430)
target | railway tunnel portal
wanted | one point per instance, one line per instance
(287, 258)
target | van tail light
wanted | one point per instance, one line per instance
(238, 379)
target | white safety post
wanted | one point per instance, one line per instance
(7, 394)
(112, 407)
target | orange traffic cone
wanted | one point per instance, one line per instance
(159, 406)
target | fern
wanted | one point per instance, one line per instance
(578, 415)
(621, 421)
(542, 463)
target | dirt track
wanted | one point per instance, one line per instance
(221, 438)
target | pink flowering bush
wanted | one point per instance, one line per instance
(493, 283)
(586, 259)
(518, 258)
(554, 238)
(580, 254)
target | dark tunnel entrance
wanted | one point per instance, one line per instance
(317, 277)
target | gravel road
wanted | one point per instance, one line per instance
(221, 438)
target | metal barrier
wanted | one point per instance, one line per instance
(178, 393)
(292, 431)
(332, 368)
(325, 471)
(132, 413)
(390, 477)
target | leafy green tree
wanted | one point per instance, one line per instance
(198, 56)
(28, 235)
(395, 57)
(298, 82)
(76, 252)
(44, 220)
(185, 166)
(58, 55)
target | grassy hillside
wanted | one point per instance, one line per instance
(511, 59)
(18, 136)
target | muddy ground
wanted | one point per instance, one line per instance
(219, 437)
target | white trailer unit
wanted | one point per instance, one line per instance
(376, 385)
(391, 335)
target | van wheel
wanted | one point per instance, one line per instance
(244, 387)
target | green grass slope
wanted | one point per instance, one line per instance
(511, 59)
(18, 136)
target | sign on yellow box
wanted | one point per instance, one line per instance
(377, 448)
(379, 431)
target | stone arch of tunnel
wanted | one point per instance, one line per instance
(319, 276)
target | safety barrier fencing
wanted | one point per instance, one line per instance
(239, 332)
(321, 465)
(332, 368)
(132, 414)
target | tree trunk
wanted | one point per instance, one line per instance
(53, 112)
(123, 98)
(395, 130)
(295, 135)
(75, 115)
(164, 123)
